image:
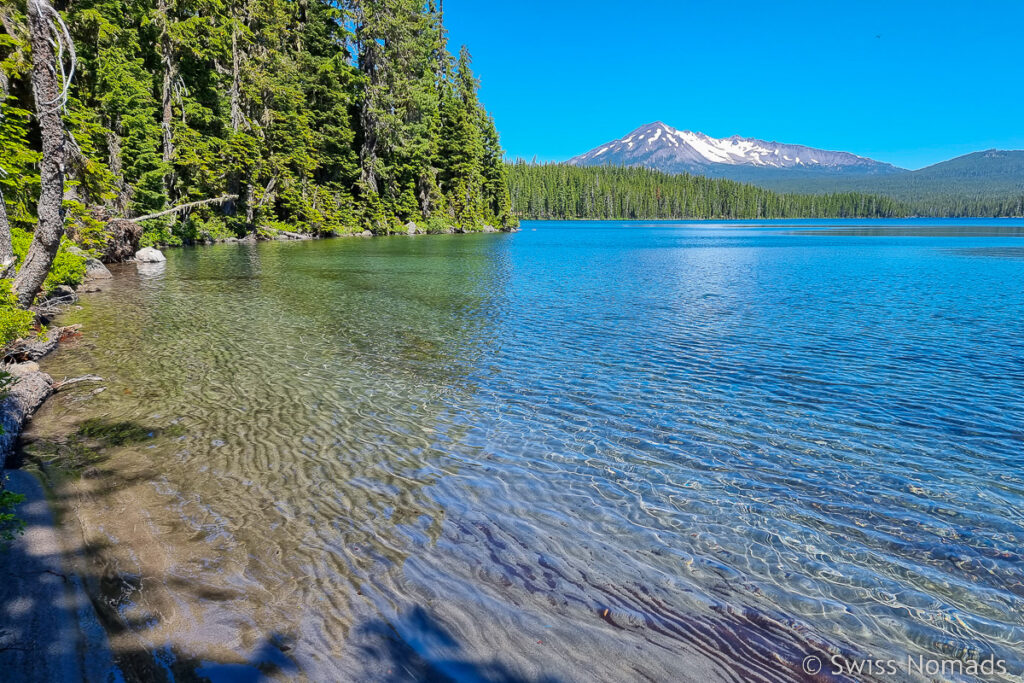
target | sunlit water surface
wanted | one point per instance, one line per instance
(612, 451)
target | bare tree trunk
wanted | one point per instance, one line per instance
(370, 59)
(124, 190)
(50, 211)
(238, 118)
(6, 250)
(236, 80)
(187, 207)
(167, 95)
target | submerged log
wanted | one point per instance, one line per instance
(75, 380)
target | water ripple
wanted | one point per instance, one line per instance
(657, 453)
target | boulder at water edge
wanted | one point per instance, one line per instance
(95, 270)
(149, 255)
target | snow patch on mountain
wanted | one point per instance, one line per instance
(663, 147)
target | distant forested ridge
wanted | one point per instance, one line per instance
(317, 116)
(558, 191)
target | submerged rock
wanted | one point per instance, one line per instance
(149, 255)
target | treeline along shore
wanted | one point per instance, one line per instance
(564, 192)
(560, 191)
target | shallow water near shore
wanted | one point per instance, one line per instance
(585, 451)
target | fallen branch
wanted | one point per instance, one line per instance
(186, 207)
(52, 307)
(75, 380)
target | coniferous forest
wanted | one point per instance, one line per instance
(559, 191)
(313, 116)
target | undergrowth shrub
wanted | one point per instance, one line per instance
(68, 267)
(14, 321)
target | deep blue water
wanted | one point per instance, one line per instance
(584, 451)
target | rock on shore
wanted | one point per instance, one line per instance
(95, 270)
(30, 389)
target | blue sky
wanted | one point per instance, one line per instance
(903, 81)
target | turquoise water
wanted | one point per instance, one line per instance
(612, 451)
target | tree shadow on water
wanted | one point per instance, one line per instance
(424, 652)
(62, 619)
(267, 659)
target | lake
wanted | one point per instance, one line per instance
(584, 451)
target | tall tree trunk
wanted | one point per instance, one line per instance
(170, 79)
(123, 199)
(237, 117)
(236, 79)
(370, 64)
(47, 94)
(6, 250)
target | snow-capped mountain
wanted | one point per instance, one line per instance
(668, 149)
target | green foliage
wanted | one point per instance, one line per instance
(164, 232)
(435, 226)
(20, 181)
(10, 525)
(68, 267)
(15, 322)
(324, 117)
(115, 433)
(558, 191)
(84, 229)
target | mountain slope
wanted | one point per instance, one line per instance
(979, 176)
(664, 148)
(981, 183)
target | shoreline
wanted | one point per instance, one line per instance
(287, 236)
(67, 640)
